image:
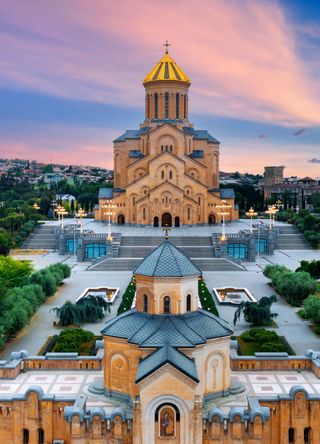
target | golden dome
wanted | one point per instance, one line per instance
(166, 69)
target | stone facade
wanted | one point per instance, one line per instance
(166, 172)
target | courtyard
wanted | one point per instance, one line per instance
(289, 324)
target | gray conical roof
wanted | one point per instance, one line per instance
(167, 260)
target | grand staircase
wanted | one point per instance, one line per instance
(133, 249)
(289, 238)
(43, 238)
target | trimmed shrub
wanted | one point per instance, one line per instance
(311, 267)
(311, 308)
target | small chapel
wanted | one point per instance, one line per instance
(168, 354)
(166, 172)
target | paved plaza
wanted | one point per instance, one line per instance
(289, 324)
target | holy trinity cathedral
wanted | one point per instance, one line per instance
(166, 172)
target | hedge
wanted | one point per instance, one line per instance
(293, 286)
(20, 303)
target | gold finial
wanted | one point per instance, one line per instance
(166, 229)
(167, 44)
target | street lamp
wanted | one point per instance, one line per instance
(108, 206)
(279, 204)
(224, 207)
(35, 206)
(61, 212)
(272, 210)
(81, 213)
(251, 213)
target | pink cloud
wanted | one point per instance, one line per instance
(240, 56)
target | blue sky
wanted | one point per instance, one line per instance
(71, 77)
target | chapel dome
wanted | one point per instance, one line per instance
(165, 70)
(167, 261)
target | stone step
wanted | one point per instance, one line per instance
(128, 264)
(43, 237)
(153, 241)
(138, 251)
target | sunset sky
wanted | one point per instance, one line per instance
(71, 76)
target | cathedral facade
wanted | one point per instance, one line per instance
(166, 172)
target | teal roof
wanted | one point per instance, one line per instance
(167, 333)
(167, 260)
(167, 355)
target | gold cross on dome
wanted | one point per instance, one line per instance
(167, 44)
(166, 229)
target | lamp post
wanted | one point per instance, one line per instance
(35, 206)
(61, 212)
(81, 213)
(223, 212)
(269, 211)
(275, 210)
(108, 206)
(279, 204)
(272, 210)
(251, 213)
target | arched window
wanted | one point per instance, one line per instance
(189, 302)
(40, 436)
(162, 174)
(184, 106)
(144, 213)
(199, 200)
(307, 435)
(156, 105)
(166, 304)
(171, 148)
(291, 437)
(25, 435)
(145, 303)
(170, 174)
(148, 106)
(189, 213)
(133, 200)
(177, 105)
(162, 148)
(166, 105)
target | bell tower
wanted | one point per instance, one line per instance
(166, 88)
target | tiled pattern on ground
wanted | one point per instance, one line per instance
(64, 383)
(271, 383)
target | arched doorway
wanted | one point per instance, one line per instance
(166, 220)
(177, 221)
(156, 221)
(167, 423)
(121, 219)
(211, 219)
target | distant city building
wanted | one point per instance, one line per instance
(65, 197)
(295, 193)
(272, 176)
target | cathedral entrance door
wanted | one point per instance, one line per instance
(121, 219)
(156, 221)
(211, 219)
(177, 221)
(166, 220)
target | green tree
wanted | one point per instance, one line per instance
(13, 273)
(311, 308)
(69, 314)
(256, 313)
